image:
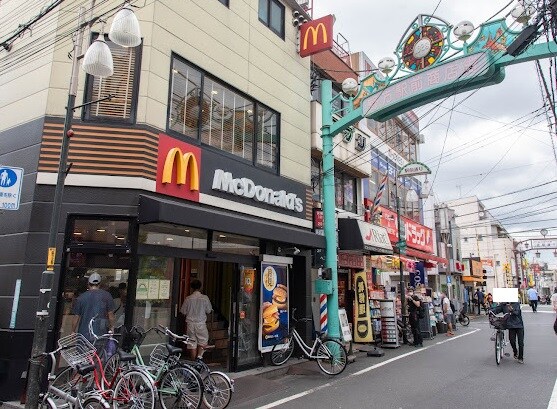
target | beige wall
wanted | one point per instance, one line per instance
(230, 43)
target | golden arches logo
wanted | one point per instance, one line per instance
(314, 32)
(185, 164)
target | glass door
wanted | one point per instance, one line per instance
(247, 318)
(153, 296)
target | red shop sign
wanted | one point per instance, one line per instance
(418, 236)
(351, 260)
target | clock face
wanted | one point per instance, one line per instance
(422, 48)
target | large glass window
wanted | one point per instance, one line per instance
(183, 237)
(123, 85)
(114, 232)
(203, 108)
(346, 192)
(234, 244)
(271, 13)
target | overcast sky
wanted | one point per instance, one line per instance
(476, 150)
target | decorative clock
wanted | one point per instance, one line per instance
(422, 47)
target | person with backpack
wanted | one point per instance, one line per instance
(447, 313)
(415, 310)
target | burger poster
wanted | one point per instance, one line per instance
(274, 305)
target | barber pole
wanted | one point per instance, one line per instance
(379, 194)
(323, 312)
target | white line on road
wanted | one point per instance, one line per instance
(363, 371)
(553, 400)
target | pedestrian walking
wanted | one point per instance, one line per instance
(515, 326)
(533, 298)
(480, 298)
(554, 305)
(196, 307)
(414, 305)
(93, 303)
(447, 313)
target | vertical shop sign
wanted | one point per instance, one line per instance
(274, 316)
(418, 276)
(362, 319)
(249, 279)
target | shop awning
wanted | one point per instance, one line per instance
(155, 210)
(471, 279)
(425, 256)
(357, 235)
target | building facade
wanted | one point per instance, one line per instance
(199, 167)
(486, 243)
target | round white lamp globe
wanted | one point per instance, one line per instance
(350, 86)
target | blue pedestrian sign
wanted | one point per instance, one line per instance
(10, 187)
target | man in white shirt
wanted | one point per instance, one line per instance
(447, 313)
(196, 307)
(533, 298)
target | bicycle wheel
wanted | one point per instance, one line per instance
(217, 390)
(331, 357)
(282, 351)
(498, 348)
(502, 343)
(134, 390)
(94, 402)
(181, 387)
(67, 380)
(464, 320)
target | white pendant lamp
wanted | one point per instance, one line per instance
(98, 59)
(125, 28)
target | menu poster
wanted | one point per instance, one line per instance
(362, 318)
(164, 289)
(142, 289)
(274, 316)
(344, 325)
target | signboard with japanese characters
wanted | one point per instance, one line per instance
(10, 187)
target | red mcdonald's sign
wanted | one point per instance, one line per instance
(316, 36)
(178, 168)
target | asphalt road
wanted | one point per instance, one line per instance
(449, 372)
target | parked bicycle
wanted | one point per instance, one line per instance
(217, 386)
(498, 322)
(129, 388)
(176, 384)
(56, 397)
(329, 353)
(462, 318)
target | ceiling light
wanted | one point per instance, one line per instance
(169, 239)
(214, 92)
(77, 233)
(101, 230)
(187, 230)
(222, 236)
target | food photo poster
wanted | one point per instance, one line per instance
(274, 317)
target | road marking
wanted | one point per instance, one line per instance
(361, 372)
(542, 311)
(553, 400)
(456, 337)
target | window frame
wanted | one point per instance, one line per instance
(282, 33)
(88, 91)
(196, 137)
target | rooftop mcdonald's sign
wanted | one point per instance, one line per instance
(316, 36)
(178, 168)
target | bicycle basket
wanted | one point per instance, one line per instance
(79, 350)
(497, 322)
(159, 356)
(132, 337)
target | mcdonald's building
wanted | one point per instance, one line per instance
(198, 168)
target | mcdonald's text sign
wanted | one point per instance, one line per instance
(178, 168)
(316, 36)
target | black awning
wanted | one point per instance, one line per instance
(357, 235)
(155, 210)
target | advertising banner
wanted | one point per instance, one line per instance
(274, 316)
(362, 319)
(418, 276)
(417, 236)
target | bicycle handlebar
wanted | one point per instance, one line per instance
(175, 337)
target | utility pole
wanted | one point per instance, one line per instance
(40, 336)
